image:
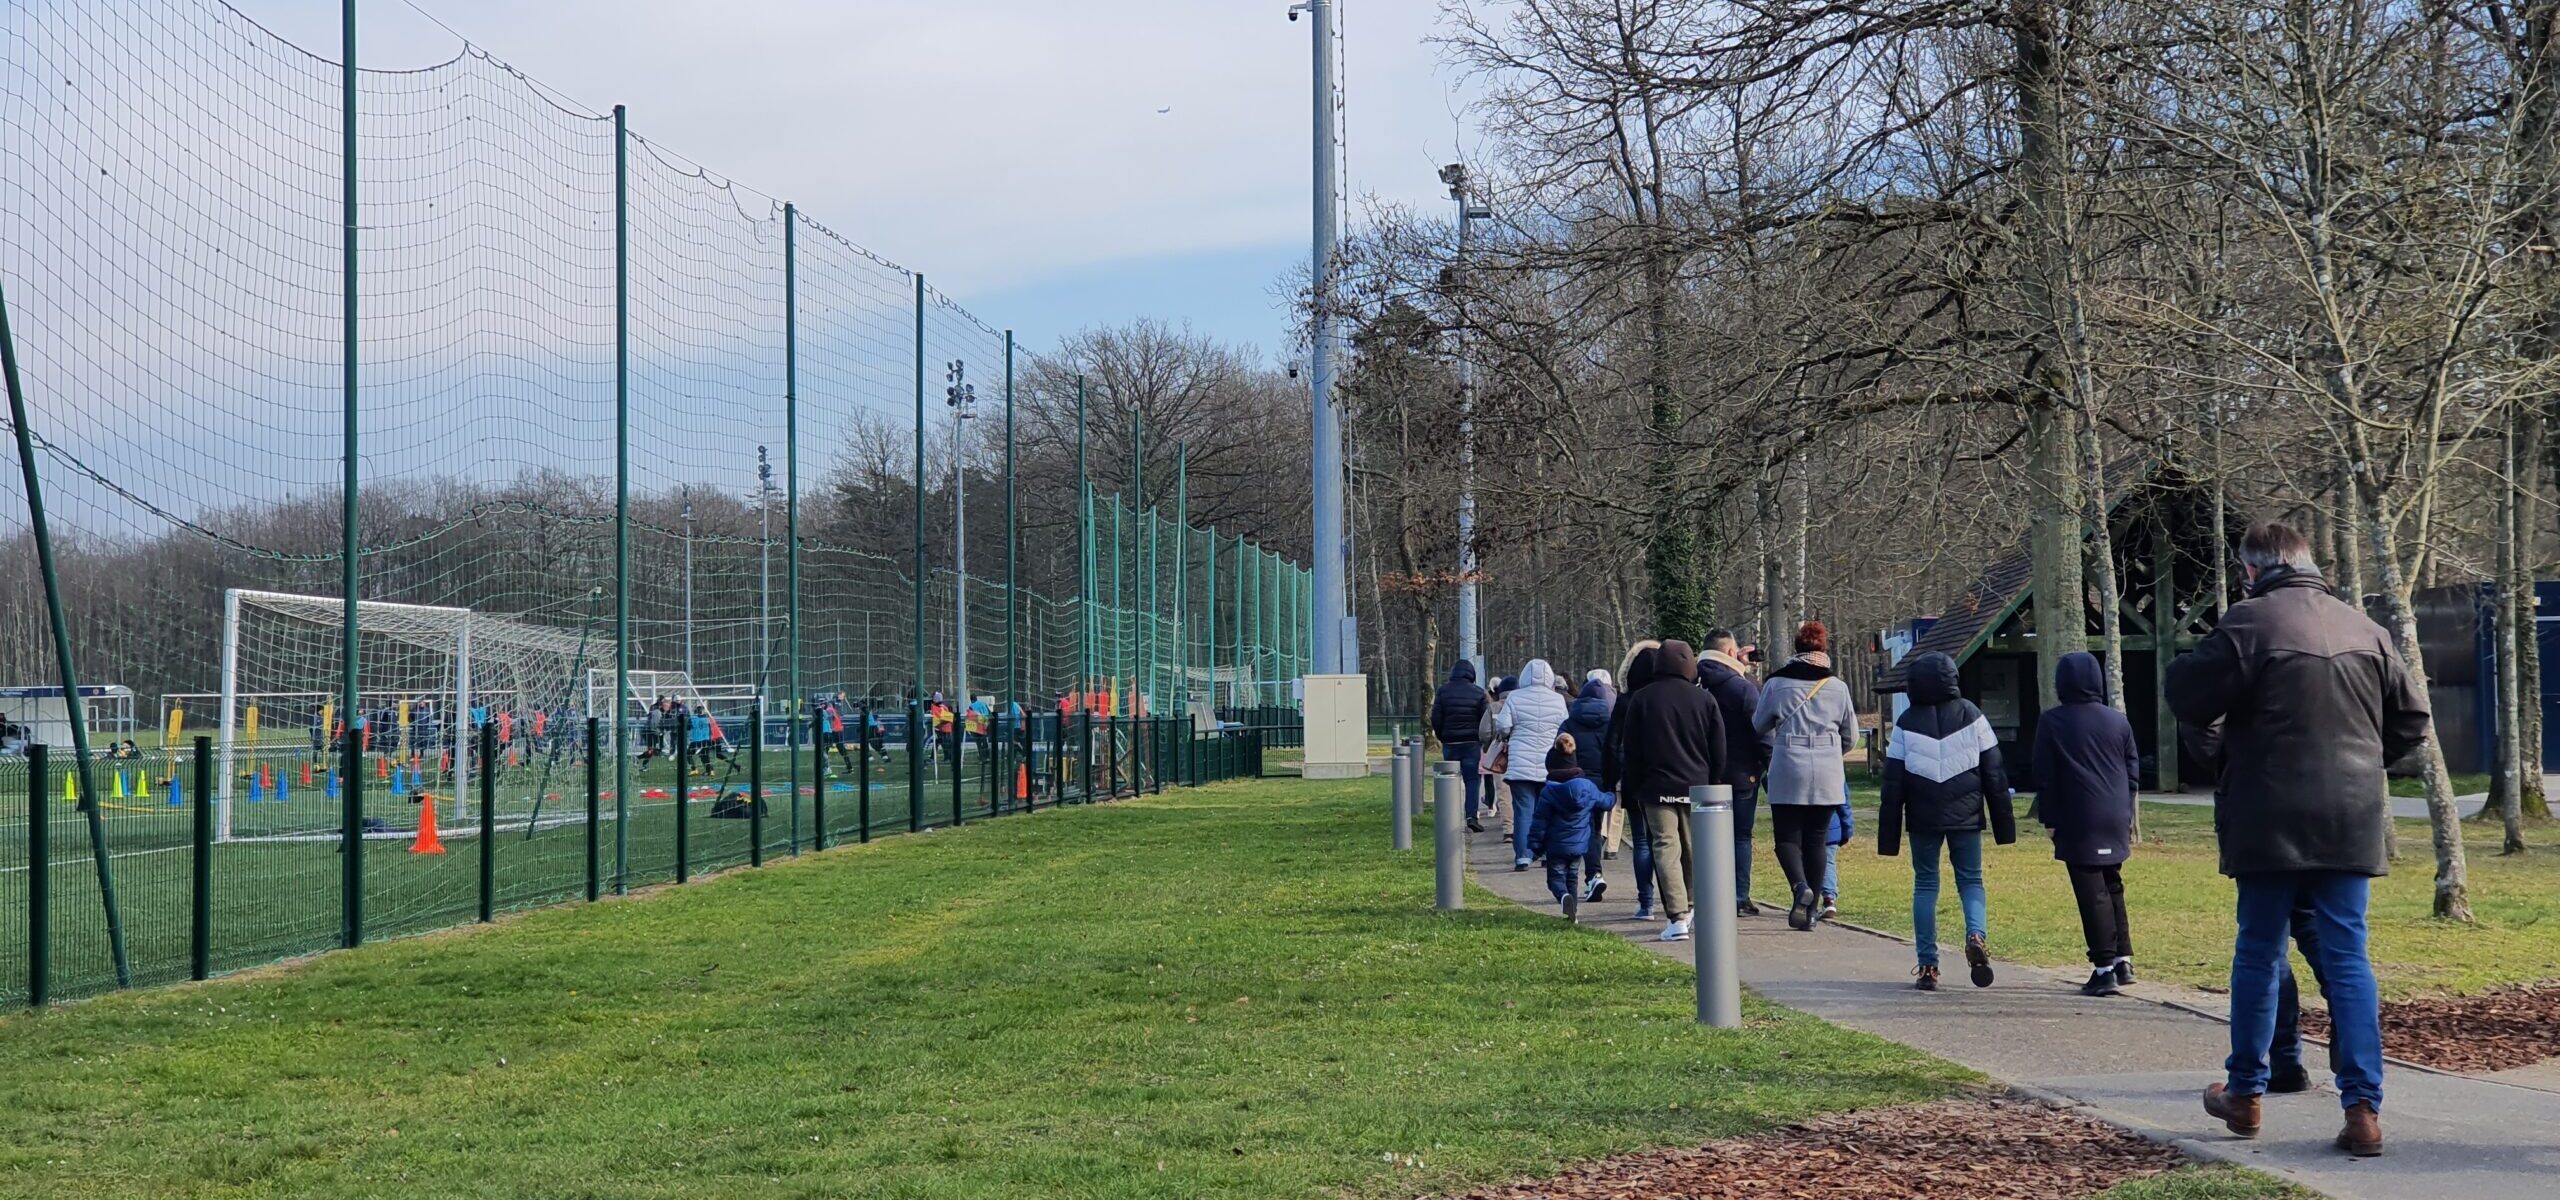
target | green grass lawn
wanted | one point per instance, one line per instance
(1231, 991)
(2413, 786)
(2181, 905)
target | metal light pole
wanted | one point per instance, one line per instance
(962, 396)
(688, 584)
(764, 565)
(1332, 625)
(1470, 644)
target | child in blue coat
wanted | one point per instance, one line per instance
(1569, 809)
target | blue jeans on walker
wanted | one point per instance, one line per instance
(1524, 817)
(1746, 814)
(1465, 754)
(1964, 852)
(1831, 872)
(1640, 840)
(2337, 912)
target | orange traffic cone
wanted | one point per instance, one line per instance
(382, 768)
(426, 842)
(444, 761)
(306, 774)
(1021, 781)
(267, 776)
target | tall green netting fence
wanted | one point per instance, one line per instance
(640, 450)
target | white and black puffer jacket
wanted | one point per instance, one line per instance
(1942, 773)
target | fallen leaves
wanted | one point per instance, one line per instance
(1968, 1149)
(2494, 1031)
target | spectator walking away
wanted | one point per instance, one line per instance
(2312, 702)
(1722, 671)
(1456, 709)
(1586, 727)
(1634, 671)
(1844, 826)
(1531, 717)
(1675, 741)
(1942, 775)
(1493, 756)
(1811, 723)
(1608, 684)
(1569, 806)
(2087, 769)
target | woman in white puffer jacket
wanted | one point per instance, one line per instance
(1531, 715)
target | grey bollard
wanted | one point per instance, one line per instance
(1402, 789)
(1448, 836)
(1711, 909)
(1420, 765)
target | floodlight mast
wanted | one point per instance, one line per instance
(962, 397)
(1336, 639)
(1470, 643)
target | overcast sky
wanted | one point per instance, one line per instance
(1010, 149)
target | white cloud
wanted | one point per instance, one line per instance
(989, 143)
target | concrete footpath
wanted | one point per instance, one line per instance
(2137, 1063)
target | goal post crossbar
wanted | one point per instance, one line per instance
(454, 635)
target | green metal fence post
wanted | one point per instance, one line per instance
(791, 520)
(39, 878)
(917, 733)
(1084, 563)
(862, 782)
(817, 778)
(200, 891)
(74, 706)
(621, 499)
(683, 791)
(755, 788)
(594, 810)
(1181, 590)
(1210, 642)
(1013, 699)
(959, 742)
(351, 922)
(351, 838)
(488, 821)
(1140, 586)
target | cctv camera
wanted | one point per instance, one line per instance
(1293, 372)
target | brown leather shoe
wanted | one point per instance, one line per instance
(2239, 1114)
(2362, 1136)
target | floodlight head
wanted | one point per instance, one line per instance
(1455, 175)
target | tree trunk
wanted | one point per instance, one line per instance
(2453, 873)
(2532, 803)
(2061, 607)
(2513, 594)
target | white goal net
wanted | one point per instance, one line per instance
(426, 676)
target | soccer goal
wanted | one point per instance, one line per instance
(425, 676)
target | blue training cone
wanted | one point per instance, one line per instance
(282, 794)
(333, 783)
(177, 793)
(400, 781)
(257, 790)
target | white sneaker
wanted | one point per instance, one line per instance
(1597, 889)
(1677, 931)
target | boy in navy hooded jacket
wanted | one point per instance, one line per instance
(1568, 812)
(2086, 770)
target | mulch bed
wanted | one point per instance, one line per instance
(2494, 1031)
(1967, 1149)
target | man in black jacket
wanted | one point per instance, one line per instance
(1455, 711)
(1674, 740)
(1726, 677)
(2313, 701)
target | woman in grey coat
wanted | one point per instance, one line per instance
(1810, 721)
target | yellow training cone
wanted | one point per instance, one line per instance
(119, 794)
(142, 785)
(71, 786)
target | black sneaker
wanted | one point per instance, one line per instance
(1746, 908)
(2102, 982)
(2289, 1082)
(1925, 977)
(1800, 915)
(2124, 972)
(1474, 825)
(1977, 955)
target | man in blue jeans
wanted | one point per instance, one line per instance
(1455, 710)
(2300, 701)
